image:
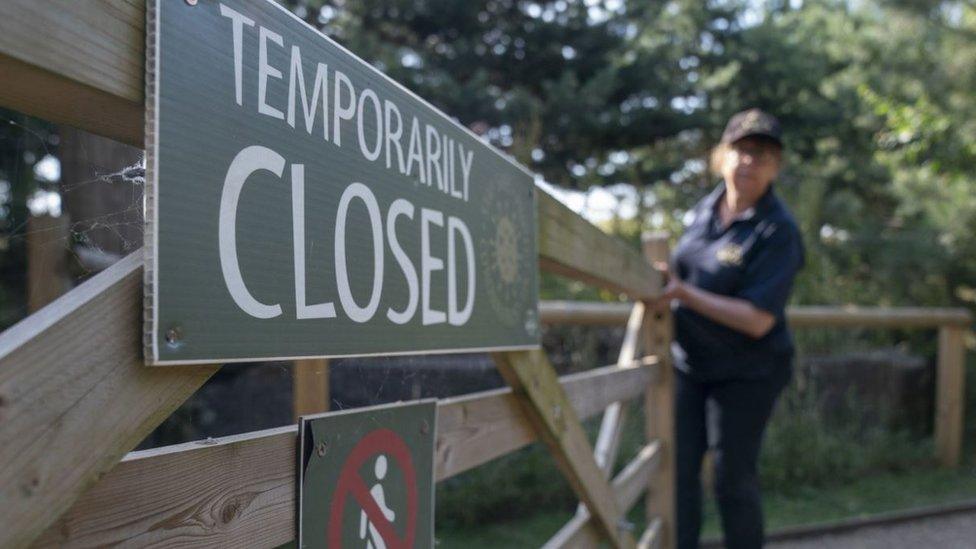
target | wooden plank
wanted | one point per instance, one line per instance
(573, 247)
(632, 480)
(628, 485)
(950, 395)
(651, 538)
(877, 317)
(79, 63)
(310, 386)
(477, 428)
(75, 397)
(608, 438)
(104, 37)
(241, 488)
(659, 411)
(535, 385)
(578, 533)
(588, 313)
(595, 313)
(239, 492)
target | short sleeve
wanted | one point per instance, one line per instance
(769, 273)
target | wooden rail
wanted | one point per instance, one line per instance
(951, 324)
(596, 313)
(240, 490)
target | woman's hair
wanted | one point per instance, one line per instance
(717, 156)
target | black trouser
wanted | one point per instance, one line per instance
(731, 415)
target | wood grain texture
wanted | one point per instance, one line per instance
(950, 396)
(239, 492)
(237, 489)
(98, 43)
(75, 396)
(573, 247)
(37, 92)
(79, 63)
(535, 385)
(659, 412)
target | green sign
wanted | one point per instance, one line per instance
(302, 204)
(367, 478)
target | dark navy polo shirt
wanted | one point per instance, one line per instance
(755, 258)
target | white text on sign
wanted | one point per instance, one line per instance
(254, 158)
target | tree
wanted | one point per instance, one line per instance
(570, 89)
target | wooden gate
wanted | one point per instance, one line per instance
(75, 396)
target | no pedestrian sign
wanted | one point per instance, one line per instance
(302, 204)
(367, 478)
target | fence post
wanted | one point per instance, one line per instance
(310, 386)
(47, 253)
(950, 392)
(659, 408)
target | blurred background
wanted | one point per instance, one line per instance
(615, 106)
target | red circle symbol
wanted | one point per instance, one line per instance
(380, 441)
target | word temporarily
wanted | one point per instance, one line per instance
(254, 158)
(415, 150)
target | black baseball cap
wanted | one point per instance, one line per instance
(753, 122)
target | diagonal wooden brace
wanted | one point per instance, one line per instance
(535, 384)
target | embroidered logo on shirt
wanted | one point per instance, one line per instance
(730, 254)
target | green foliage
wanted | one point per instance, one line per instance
(559, 85)
(801, 450)
(512, 486)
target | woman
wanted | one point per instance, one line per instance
(732, 272)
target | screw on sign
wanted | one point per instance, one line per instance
(380, 445)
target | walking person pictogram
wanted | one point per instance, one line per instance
(367, 530)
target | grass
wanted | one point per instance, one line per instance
(812, 472)
(863, 497)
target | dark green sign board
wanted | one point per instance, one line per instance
(302, 204)
(367, 478)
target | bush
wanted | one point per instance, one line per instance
(802, 450)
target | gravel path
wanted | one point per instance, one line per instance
(956, 531)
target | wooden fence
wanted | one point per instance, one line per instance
(950, 323)
(75, 396)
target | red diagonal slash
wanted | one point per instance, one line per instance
(375, 514)
(380, 441)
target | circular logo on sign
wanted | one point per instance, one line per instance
(504, 256)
